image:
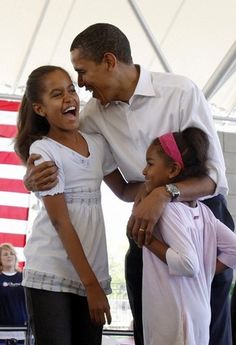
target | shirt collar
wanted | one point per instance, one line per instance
(144, 86)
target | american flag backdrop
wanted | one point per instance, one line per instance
(14, 198)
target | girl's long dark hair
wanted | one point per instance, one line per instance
(30, 125)
(193, 145)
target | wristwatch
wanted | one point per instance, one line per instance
(173, 190)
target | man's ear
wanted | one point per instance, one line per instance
(38, 108)
(110, 60)
(175, 170)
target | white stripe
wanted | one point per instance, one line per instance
(8, 117)
(6, 144)
(20, 254)
(14, 199)
(12, 171)
(13, 226)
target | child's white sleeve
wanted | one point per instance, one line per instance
(181, 256)
(47, 153)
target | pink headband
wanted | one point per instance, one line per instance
(170, 147)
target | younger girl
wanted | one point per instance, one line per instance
(66, 272)
(182, 258)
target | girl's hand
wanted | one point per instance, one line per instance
(99, 307)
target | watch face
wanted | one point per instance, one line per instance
(173, 190)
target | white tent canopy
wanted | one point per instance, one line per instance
(196, 38)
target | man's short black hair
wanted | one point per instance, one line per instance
(101, 38)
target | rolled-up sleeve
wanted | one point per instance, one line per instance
(195, 111)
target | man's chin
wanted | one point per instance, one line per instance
(99, 98)
(103, 101)
(96, 97)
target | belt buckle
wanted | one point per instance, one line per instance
(11, 341)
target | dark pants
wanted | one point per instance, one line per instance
(58, 318)
(133, 277)
(220, 329)
(233, 314)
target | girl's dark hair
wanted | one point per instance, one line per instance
(101, 38)
(30, 125)
(193, 145)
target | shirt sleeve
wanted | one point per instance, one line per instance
(181, 257)
(109, 163)
(89, 116)
(195, 111)
(226, 244)
(49, 153)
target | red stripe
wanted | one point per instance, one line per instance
(10, 185)
(8, 131)
(9, 158)
(14, 212)
(9, 105)
(14, 239)
(21, 265)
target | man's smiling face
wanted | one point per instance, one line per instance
(95, 77)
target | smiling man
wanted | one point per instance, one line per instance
(105, 80)
(130, 107)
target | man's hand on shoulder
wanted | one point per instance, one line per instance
(41, 177)
(146, 214)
